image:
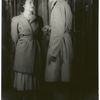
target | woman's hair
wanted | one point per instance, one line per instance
(20, 6)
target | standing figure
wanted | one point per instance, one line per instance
(25, 37)
(60, 45)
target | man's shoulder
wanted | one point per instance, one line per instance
(61, 3)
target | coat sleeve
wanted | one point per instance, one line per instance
(57, 30)
(68, 17)
(14, 30)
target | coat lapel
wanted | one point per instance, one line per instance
(28, 25)
(53, 6)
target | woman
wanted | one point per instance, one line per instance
(24, 35)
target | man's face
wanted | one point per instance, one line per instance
(51, 1)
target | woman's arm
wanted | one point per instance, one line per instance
(14, 30)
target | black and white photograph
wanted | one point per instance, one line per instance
(49, 49)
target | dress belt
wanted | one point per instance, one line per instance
(31, 36)
(21, 35)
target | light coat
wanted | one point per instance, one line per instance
(60, 44)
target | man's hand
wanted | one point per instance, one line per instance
(46, 31)
(46, 28)
(52, 59)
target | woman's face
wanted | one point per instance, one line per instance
(29, 6)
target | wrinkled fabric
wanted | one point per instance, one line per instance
(25, 46)
(60, 44)
(23, 81)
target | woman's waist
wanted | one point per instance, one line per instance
(28, 36)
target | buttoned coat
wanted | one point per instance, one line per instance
(26, 45)
(60, 44)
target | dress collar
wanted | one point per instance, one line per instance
(31, 19)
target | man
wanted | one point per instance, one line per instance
(60, 45)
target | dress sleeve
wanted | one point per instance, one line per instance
(57, 30)
(14, 30)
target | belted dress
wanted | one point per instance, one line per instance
(24, 36)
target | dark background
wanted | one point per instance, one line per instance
(84, 69)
